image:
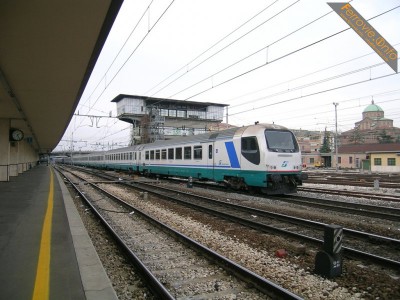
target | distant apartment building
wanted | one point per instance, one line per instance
(310, 143)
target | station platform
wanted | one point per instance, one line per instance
(45, 251)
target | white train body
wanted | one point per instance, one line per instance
(262, 156)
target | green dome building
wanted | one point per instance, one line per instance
(373, 119)
(371, 128)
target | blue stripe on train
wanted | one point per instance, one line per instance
(232, 155)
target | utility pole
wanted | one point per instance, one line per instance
(336, 137)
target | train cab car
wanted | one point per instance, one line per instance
(269, 160)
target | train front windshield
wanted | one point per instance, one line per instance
(281, 141)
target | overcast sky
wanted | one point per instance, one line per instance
(271, 61)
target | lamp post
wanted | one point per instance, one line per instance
(336, 143)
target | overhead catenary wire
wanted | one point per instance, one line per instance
(133, 52)
(266, 63)
(128, 58)
(292, 88)
(222, 49)
(292, 80)
(345, 108)
(352, 72)
(119, 51)
(316, 93)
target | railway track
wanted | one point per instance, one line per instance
(358, 194)
(374, 211)
(174, 265)
(358, 244)
(360, 180)
(301, 229)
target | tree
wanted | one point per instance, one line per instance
(325, 147)
(384, 138)
(356, 136)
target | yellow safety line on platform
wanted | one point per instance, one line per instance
(42, 283)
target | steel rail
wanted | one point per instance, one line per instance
(260, 283)
(267, 228)
(156, 286)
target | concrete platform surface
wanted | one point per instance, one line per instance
(45, 251)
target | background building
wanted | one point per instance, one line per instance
(157, 118)
(372, 145)
(311, 145)
(374, 128)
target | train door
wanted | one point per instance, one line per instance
(210, 160)
(139, 159)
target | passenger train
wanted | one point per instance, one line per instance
(264, 157)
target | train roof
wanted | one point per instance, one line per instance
(200, 138)
(212, 135)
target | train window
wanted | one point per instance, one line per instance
(164, 154)
(250, 149)
(151, 154)
(140, 155)
(130, 155)
(158, 154)
(249, 144)
(281, 141)
(147, 155)
(171, 153)
(210, 151)
(178, 153)
(187, 152)
(198, 152)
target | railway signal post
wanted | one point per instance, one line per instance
(328, 262)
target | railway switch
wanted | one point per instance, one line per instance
(328, 262)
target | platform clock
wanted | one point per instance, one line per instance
(16, 135)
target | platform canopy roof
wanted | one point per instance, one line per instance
(48, 49)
